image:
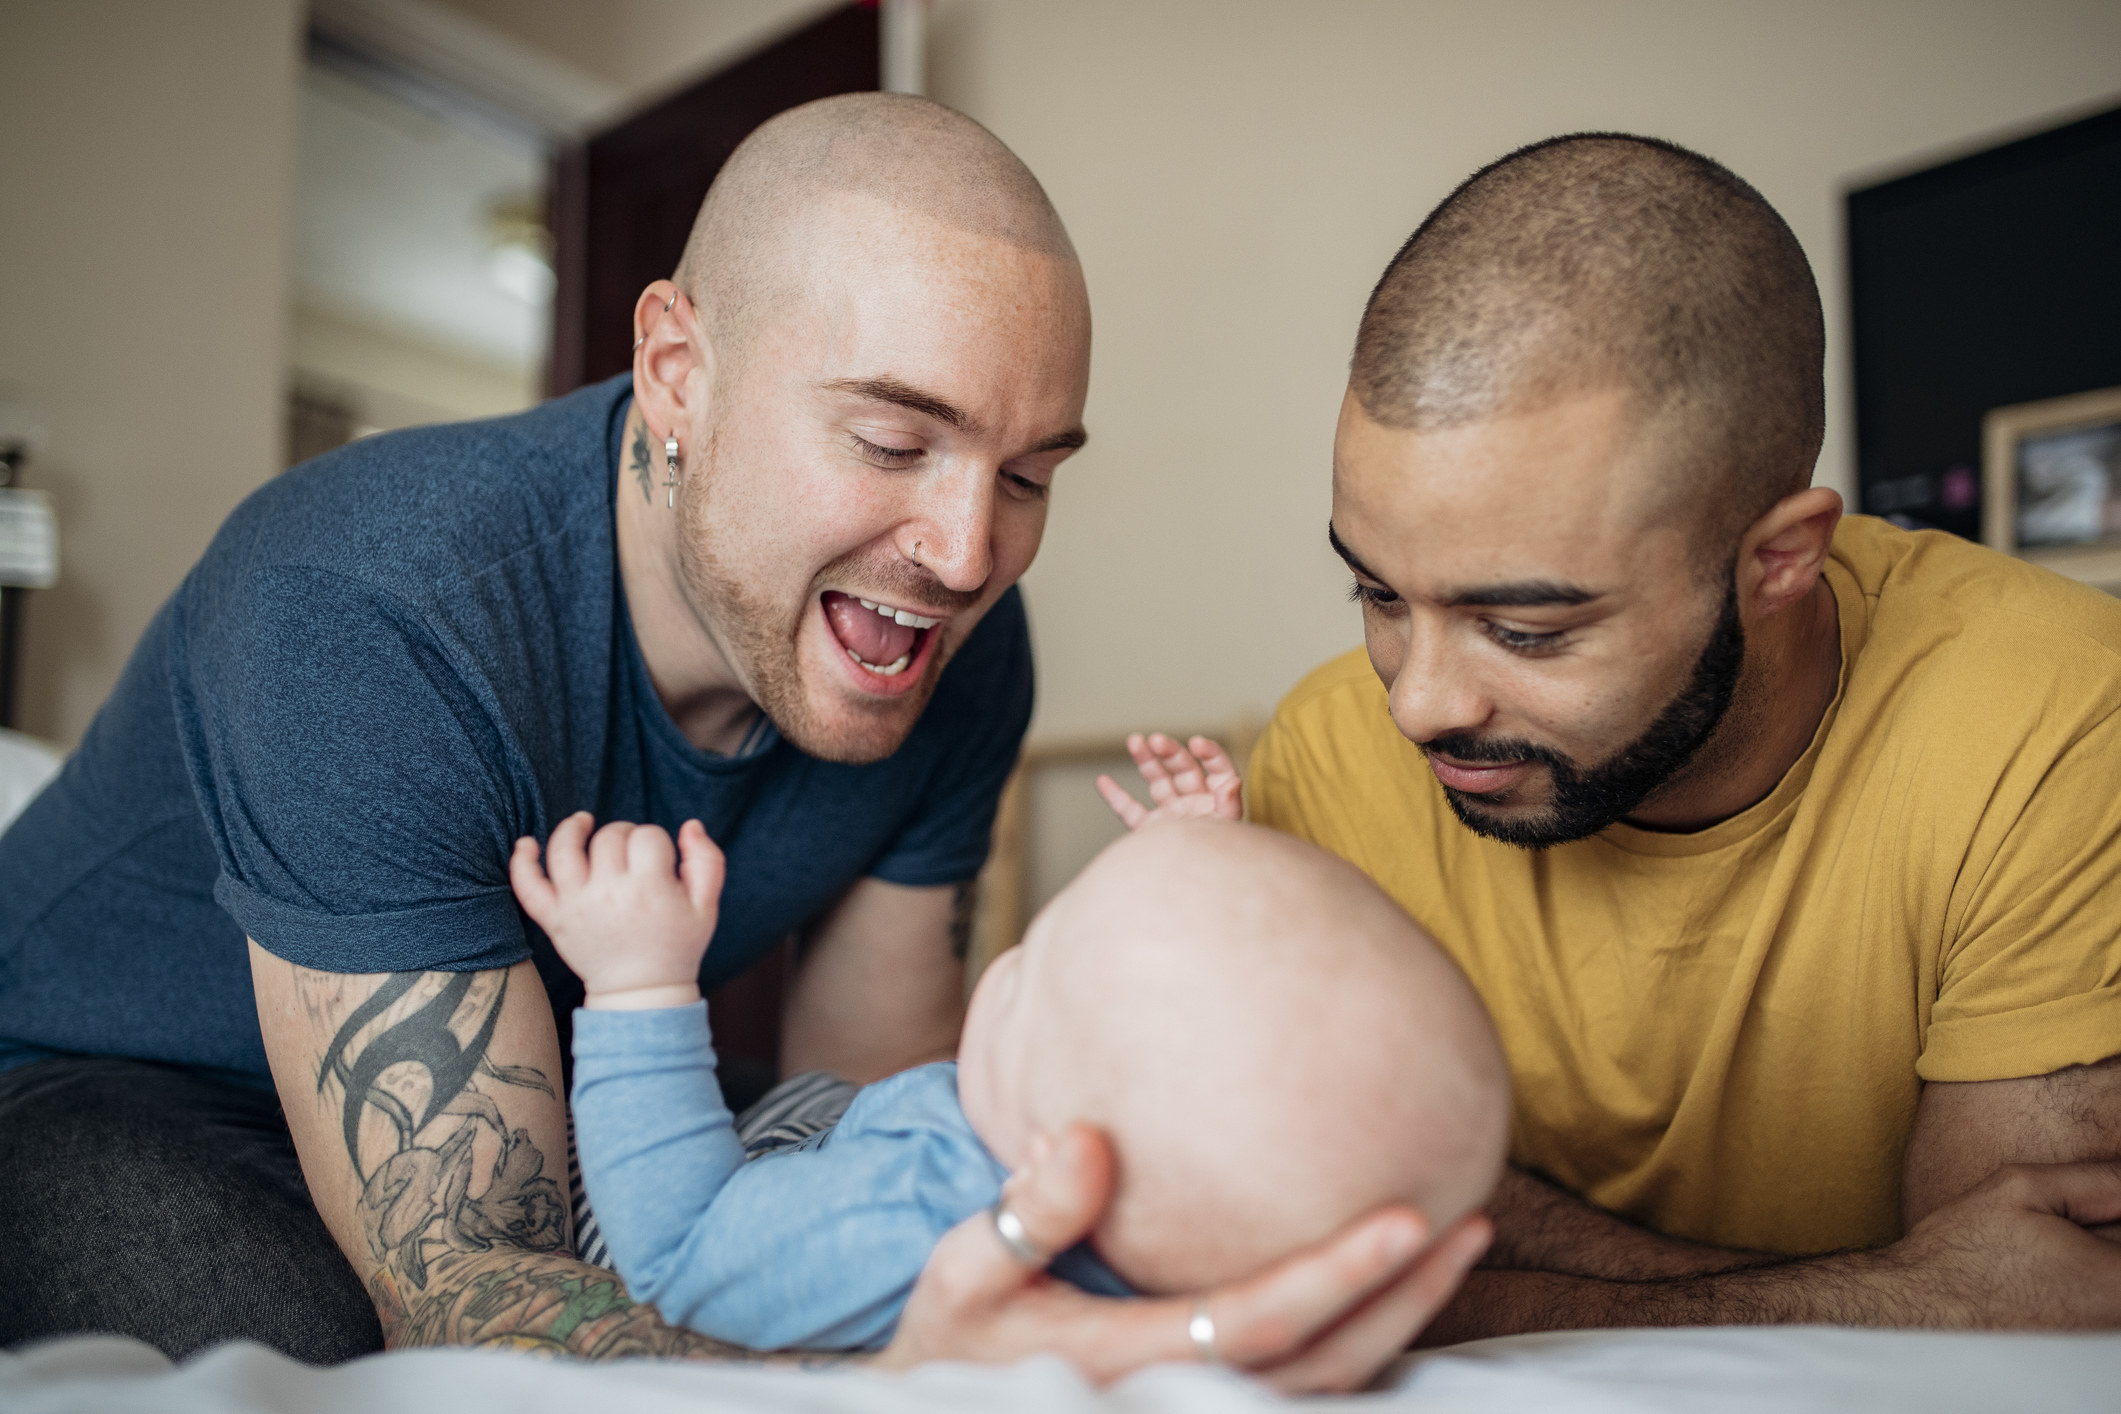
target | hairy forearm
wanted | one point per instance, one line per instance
(1542, 1228)
(1853, 1288)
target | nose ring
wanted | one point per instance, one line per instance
(917, 554)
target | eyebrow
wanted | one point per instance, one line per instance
(1517, 594)
(886, 389)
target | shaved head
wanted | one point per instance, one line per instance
(746, 249)
(1605, 260)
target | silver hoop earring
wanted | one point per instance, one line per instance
(670, 467)
(667, 305)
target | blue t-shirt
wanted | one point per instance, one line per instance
(391, 662)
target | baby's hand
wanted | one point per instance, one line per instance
(1185, 784)
(621, 911)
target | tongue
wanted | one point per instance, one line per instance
(873, 638)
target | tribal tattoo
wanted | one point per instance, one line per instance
(467, 1253)
(413, 1053)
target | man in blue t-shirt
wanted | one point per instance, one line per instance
(765, 582)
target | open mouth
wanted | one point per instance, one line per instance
(882, 640)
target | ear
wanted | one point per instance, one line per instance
(673, 366)
(1780, 558)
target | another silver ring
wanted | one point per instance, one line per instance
(668, 304)
(1010, 1229)
(1201, 1329)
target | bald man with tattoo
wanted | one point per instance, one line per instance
(282, 1057)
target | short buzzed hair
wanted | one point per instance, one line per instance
(907, 151)
(1604, 259)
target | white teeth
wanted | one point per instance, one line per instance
(891, 670)
(905, 618)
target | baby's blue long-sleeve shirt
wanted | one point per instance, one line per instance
(813, 1247)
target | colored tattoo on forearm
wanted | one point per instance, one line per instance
(643, 470)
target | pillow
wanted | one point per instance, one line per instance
(25, 765)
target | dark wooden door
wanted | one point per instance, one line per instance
(623, 201)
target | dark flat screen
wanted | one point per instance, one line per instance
(1990, 280)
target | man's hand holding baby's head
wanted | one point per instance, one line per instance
(628, 910)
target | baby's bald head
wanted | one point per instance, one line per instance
(761, 222)
(1273, 1045)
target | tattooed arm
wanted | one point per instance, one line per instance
(426, 1110)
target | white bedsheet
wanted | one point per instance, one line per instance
(1600, 1372)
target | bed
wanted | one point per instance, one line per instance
(1705, 1371)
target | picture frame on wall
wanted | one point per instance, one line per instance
(2051, 483)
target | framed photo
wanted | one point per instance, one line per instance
(2051, 483)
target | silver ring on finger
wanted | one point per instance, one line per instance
(1010, 1229)
(1201, 1331)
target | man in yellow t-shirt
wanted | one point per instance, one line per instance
(1785, 849)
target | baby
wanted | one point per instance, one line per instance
(1272, 1045)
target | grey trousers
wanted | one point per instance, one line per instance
(145, 1200)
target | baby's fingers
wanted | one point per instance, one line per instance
(1178, 766)
(533, 890)
(1125, 806)
(1148, 760)
(607, 849)
(650, 853)
(565, 858)
(1213, 759)
(703, 867)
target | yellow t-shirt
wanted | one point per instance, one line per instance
(1723, 1034)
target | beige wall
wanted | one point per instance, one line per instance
(1237, 172)
(145, 161)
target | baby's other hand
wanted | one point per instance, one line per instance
(622, 911)
(1187, 782)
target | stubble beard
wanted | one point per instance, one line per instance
(1587, 801)
(762, 641)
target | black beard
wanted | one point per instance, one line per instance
(1585, 802)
